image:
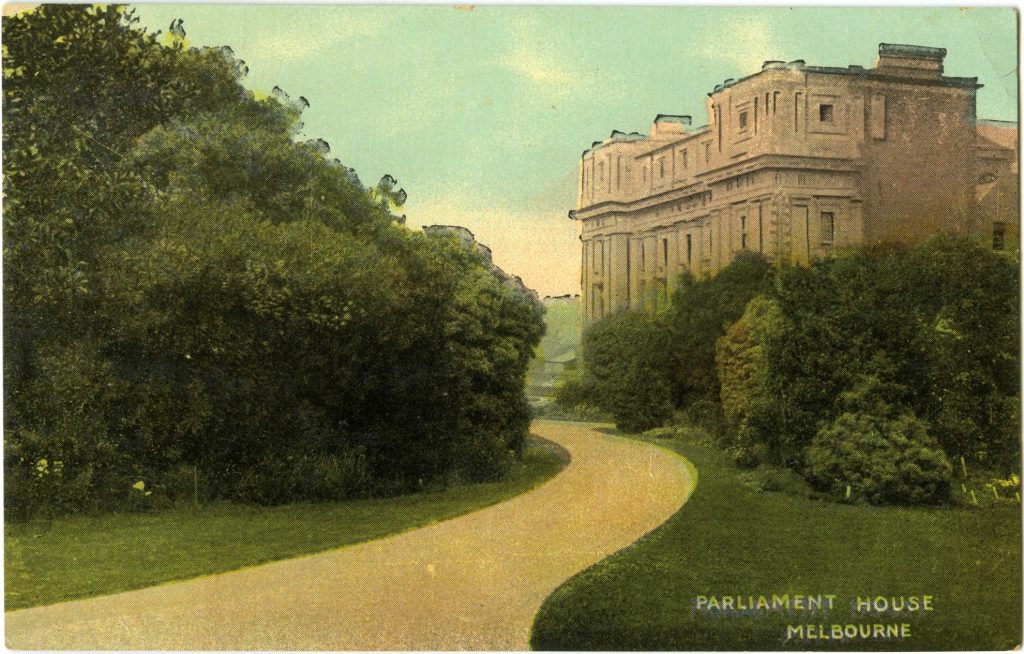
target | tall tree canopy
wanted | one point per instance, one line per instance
(192, 292)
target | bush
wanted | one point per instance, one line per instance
(298, 477)
(626, 372)
(223, 299)
(774, 479)
(862, 457)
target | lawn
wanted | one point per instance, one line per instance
(730, 539)
(81, 556)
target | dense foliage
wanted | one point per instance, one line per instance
(625, 373)
(641, 365)
(871, 370)
(195, 300)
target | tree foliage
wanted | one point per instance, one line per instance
(871, 369)
(625, 371)
(189, 287)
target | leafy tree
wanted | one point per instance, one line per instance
(191, 289)
(742, 361)
(700, 312)
(625, 368)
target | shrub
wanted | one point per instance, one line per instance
(775, 479)
(303, 477)
(862, 457)
(273, 326)
(626, 371)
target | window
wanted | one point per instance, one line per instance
(998, 236)
(877, 116)
(686, 163)
(828, 227)
(664, 253)
(618, 173)
(825, 113)
(661, 166)
(760, 228)
(707, 152)
(600, 169)
(743, 232)
(744, 117)
(689, 250)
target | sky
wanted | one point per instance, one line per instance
(482, 113)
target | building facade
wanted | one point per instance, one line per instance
(795, 162)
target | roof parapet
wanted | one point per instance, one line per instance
(668, 125)
(910, 60)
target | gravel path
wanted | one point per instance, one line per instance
(473, 582)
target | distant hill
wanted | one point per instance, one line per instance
(557, 350)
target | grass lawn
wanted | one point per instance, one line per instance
(730, 539)
(81, 556)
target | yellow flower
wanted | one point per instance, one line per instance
(139, 485)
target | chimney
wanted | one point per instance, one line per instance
(909, 61)
(667, 126)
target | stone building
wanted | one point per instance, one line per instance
(795, 162)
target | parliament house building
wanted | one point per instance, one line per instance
(796, 162)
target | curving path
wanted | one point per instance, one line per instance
(474, 582)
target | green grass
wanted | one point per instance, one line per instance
(731, 539)
(82, 556)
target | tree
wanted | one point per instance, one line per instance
(741, 358)
(700, 312)
(193, 290)
(627, 368)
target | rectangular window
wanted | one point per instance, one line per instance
(689, 250)
(743, 232)
(755, 115)
(744, 117)
(828, 227)
(661, 166)
(707, 153)
(825, 113)
(775, 102)
(618, 173)
(877, 117)
(718, 124)
(600, 170)
(760, 228)
(686, 163)
(796, 111)
(664, 253)
(998, 236)
(767, 100)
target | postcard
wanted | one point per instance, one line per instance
(479, 327)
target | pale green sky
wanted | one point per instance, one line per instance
(482, 115)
